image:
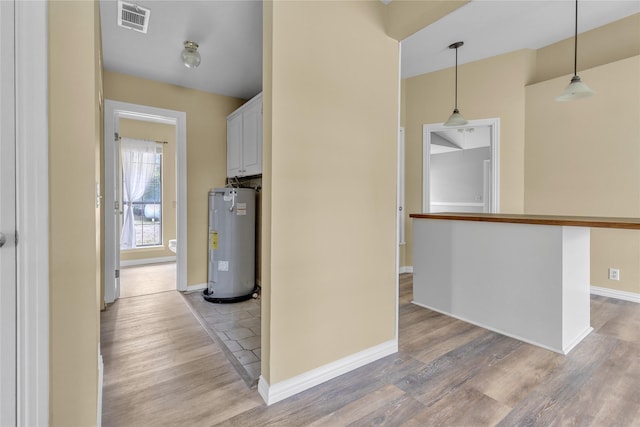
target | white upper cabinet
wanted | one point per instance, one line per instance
(244, 139)
(234, 144)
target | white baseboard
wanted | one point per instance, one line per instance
(501, 332)
(406, 269)
(144, 261)
(566, 349)
(100, 383)
(287, 388)
(613, 293)
(196, 287)
(263, 389)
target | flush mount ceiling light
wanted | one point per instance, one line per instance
(190, 55)
(576, 89)
(456, 118)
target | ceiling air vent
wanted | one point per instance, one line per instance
(133, 17)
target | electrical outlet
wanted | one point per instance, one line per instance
(614, 274)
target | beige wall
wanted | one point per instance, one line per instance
(491, 88)
(609, 43)
(206, 149)
(74, 251)
(598, 47)
(332, 102)
(583, 158)
(139, 129)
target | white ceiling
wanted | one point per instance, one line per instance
(460, 139)
(489, 28)
(229, 33)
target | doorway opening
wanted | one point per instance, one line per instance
(461, 167)
(125, 121)
(147, 219)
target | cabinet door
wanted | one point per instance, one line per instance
(252, 139)
(234, 145)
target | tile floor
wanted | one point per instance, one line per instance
(235, 325)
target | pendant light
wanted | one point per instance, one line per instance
(456, 118)
(190, 54)
(576, 89)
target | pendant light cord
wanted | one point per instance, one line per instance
(575, 46)
(456, 91)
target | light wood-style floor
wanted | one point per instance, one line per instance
(162, 369)
(147, 279)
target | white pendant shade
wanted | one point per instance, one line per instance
(455, 119)
(576, 90)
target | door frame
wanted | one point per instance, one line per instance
(115, 110)
(427, 129)
(8, 224)
(32, 211)
(401, 188)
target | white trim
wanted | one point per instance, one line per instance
(470, 204)
(401, 172)
(287, 388)
(567, 348)
(406, 269)
(495, 158)
(197, 287)
(145, 261)
(113, 111)
(614, 293)
(8, 217)
(32, 203)
(263, 389)
(100, 384)
(399, 199)
(564, 351)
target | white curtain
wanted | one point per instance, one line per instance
(138, 163)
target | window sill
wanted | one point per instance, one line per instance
(145, 248)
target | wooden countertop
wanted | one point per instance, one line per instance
(573, 221)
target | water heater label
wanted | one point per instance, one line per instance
(241, 208)
(213, 240)
(223, 265)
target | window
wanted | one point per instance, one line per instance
(141, 193)
(147, 211)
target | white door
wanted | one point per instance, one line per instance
(117, 212)
(113, 207)
(7, 219)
